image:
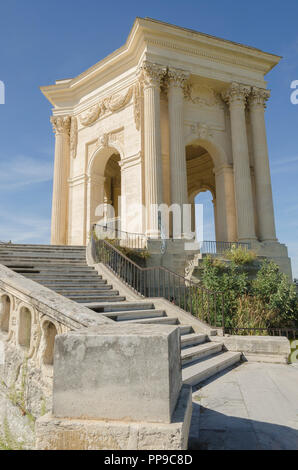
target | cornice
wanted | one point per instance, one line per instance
(145, 32)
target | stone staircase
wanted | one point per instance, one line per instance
(64, 270)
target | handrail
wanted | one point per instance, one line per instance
(158, 281)
(136, 241)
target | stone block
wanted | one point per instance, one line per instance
(77, 434)
(128, 372)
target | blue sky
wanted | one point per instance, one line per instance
(49, 39)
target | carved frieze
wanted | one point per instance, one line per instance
(202, 95)
(113, 103)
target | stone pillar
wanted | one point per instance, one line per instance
(61, 126)
(151, 75)
(236, 96)
(215, 219)
(176, 81)
(225, 218)
(264, 202)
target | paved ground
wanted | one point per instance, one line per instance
(252, 406)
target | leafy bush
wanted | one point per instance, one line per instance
(268, 301)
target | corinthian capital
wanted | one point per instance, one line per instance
(236, 93)
(151, 74)
(61, 124)
(177, 78)
(258, 97)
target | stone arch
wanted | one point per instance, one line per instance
(25, 327)
(5, 312)
(96, 180)
(49, 332)
(216, 152)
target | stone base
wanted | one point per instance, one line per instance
(276, 251)
(80, 434)
(274, 349)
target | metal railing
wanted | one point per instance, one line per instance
(161, 282)
(218, 248)
(135, 241)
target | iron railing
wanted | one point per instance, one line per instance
(218, 248)
(158, 281)
(135, 241)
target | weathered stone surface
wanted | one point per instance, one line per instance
(259, 348)
(61, 434)
(127, 372)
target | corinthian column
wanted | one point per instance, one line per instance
(151, 75)
(236, 97)
(176, 82)
(61, 126)
(264, 202)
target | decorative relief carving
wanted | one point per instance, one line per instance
(236, 93)
(258, 97)
(202, 95)
(73, 137)
(111, 104)
(202, 130)
(151, 74)
(177, 77)
(61, 124)
(137, 104)
(110, 138)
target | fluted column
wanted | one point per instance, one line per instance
(61, 126)
(264, 202)
(226, 227)
(176, 82)
(151, 75)
(236, 96)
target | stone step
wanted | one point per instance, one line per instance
(192, 339)
(118, 307)
(83, 300)
(98, 295)
(159, 320)
(196, 372)
(56, 283)
(185, 329)
(198, 352)
(19, 246)
(64, 277)
(134, 314)
(81, 291)
(53, 269)
(44, 256)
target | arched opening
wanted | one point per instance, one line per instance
(25, 320)
(49, 333)
(201, 190)
(112, 187)
(104, 187)
(5, 306)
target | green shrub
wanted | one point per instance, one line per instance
(269, 301)
(240, 255)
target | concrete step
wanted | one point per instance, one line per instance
(118, 307)
(84, 299)
(192, 339)
(134, 314)
(198, 352)
(196, 372)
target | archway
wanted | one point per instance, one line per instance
(201, 189)
(104, 186)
